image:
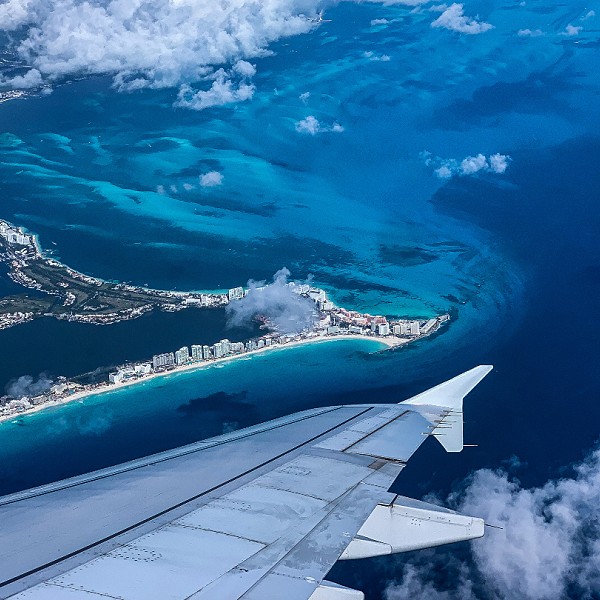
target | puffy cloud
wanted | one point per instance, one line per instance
(154, 43)
(473, 164)
(444, 171)
(31, 79)
(228, 87)
(530, 33)
(498, 163)
(445, 168)
(376, 57)
(148, 43)
(311, 126)
(15, 13)
(376, 22)
(453, 18)
(26, 385)
(571, 30)
(548, 547)
(211, 179)
(287, 311)
(244, 68)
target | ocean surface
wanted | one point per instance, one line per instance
(514, 258)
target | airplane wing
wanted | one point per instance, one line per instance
(259, 513)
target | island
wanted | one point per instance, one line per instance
(78, 297)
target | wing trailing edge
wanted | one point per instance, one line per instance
(409, 524)
(442, 406)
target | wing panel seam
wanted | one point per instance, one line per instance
(178, 505)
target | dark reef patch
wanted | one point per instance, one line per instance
(406, 256)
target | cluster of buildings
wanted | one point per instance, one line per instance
(10, 406)
(14, 235)
(334, 322)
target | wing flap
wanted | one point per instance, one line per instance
(333, 591)
(410, 525)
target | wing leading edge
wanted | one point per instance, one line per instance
(263, 512)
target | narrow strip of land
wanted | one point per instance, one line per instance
(76, 393)
(71, 295)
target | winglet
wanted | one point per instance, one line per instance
(448, 396)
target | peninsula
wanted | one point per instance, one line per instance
(70, 295)
(390, 334)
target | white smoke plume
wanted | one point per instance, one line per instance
(287, 311)
(26, 385)
(548, 549)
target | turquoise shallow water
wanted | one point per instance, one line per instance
(111, 183)
(183, 407)
(514, 258)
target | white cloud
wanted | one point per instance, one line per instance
(287, 311)
(588, 15)
(15, 13)
(453, 18)
(31, 79)
(244, 68)
(548, 547)
(188, 187)
(473, 164)
(571, 30)
(445, 168)
(444, 171)
(311, 126)
(153, 43)
(375, 22)
(228, 87)
(498, 163)
(148, 43)
(530, 33)
(304, 97)
(211, 179)
(376, 57)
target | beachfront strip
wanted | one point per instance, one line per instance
(332, 323)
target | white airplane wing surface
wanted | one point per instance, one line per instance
(260, 513)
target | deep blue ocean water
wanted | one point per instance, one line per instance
(514, 258)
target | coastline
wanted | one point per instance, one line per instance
(389, 342)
